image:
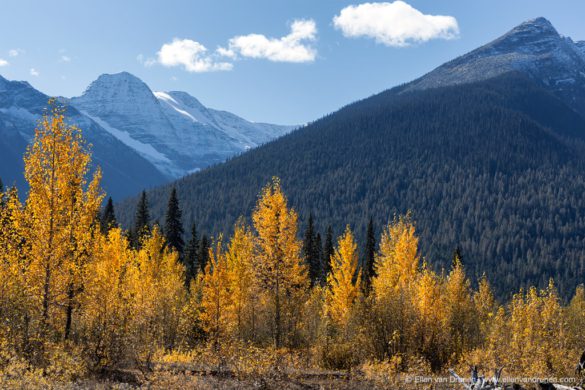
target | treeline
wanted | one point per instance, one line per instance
(78, 293)
(494, 168)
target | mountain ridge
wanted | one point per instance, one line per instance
(189, 135)
(534, 48)
(494, 167)
(136, 143)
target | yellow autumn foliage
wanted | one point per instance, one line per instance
(74, 299)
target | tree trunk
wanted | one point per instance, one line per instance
(69, 311)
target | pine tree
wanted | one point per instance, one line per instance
(318, 250)
(203, 253)
(328, 251)
(191, 257)
(108, 219)
(141, 219)
(280, 269)
(173, 224)
(457, 257)
(309, 251)
(370, 253)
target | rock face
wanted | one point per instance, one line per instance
(140, 138)
(534, 48)
(172, 130)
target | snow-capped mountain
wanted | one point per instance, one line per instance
(172, 130)
(534, 48)
(140, 138)
(21, 106)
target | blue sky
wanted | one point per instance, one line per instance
(61, 46)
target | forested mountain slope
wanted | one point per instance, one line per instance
(494, 168)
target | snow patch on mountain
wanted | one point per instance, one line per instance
(145, 150)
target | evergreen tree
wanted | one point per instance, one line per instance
(309, 251)
(318, 248)
(141, 219)
(457, 258)
(328, 251)
(108, 218)
(370, 252)
(191, 257)
(203, 253)
(173, 225)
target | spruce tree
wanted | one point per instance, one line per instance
(141, 219)
(457, 258)
(309, 251)
(318, 248)
(173, 225)
(328, 251)
(108, 218)
(191, 256)
(369, 253)
(203, 253)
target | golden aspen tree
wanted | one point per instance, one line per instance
(61, 211)
(162, 292)
(109, 301)
(279, 268)
(537, 331)
(396, 267)
(14, 302)
(520, 329)
(344, 280)
(575, 315)
(485, 307)
(396, 264)
(552, 333)
(429, 330)
(217, 299)
(461, 321)
(495, 352)
(191, 328)
(243, 286)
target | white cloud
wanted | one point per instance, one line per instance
(293, 47)
(34, 72)
(3, 62)
(189, 54)
(222, 51)
(394, 24)
(15, 52)
(65, 58)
